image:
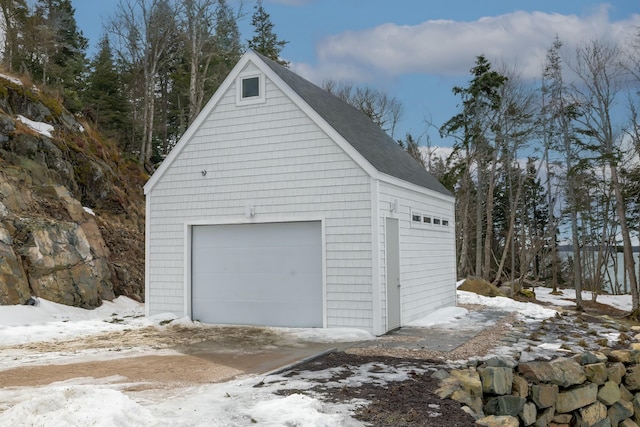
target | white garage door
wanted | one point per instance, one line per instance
(257, 274)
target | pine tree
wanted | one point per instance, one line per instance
(265, 41)
(53, 49)
(14, 17)
(105, 103)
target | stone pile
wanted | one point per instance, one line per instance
(592, 389)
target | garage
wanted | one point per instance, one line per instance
(266, 274)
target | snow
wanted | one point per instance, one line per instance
(11, 79)
(243, 401)
(40, 127)
(89, 211)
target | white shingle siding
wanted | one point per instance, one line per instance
(279, 158)
(279, 161)
(427, 254)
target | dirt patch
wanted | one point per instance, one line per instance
(146, 371)
(412, 402)
(192, 355)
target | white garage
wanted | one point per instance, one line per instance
(258, 274)
(284, 206)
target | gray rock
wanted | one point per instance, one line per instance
(545, 418)
(577, 397)
(596, 373)
(632, 378)
(615, 372)
(609, 393)
(496, 380)
(628, 423)
(501, 362)
(505, 405)
(529, 414)
(520, 387)
(563, 372)
(544, 395)
(620, 411)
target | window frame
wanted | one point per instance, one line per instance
(421, 220)
(250, 100)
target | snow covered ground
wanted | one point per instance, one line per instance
(110, 402)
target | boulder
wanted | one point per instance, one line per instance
(545, 418)
(577, 397)
(520, 387)
(596, 373)
(620, 411)
(498, 421)
(563, 372)
(505, 405)
(628, 423)
(622, 356)
(609, 393)
(592, 414)
(615, 372)
(529, 413)
(632, 378)
(544, 395)
(480, 287)
(496, 380)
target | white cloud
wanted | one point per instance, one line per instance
(449, 48)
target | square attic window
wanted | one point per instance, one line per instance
(251, 87)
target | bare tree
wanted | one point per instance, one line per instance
(384, 110)
(561, 113)
(601, 79)
(144, 31)
(212, 36)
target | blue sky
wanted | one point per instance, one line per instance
(417, 50)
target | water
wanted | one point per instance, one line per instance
(614, 269)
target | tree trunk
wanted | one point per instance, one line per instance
(629, 262)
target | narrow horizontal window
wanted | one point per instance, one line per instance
(416, 218)
(436, 221)
(426, 219)
(445, 222)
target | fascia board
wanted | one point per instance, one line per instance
(413, 187)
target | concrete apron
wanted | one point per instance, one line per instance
(446, 337)
(254, 357)
(261, 360)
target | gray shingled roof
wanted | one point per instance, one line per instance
(360, 131)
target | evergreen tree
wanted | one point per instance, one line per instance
(265, 41)
(410, 145)
(227, 41)
(53, 49)
(105, 103)
(14, 17)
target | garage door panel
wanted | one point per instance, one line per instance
(261, 274)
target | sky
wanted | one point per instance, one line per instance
(241, 401)
(417, 50)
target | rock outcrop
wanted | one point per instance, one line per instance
(71, 207)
